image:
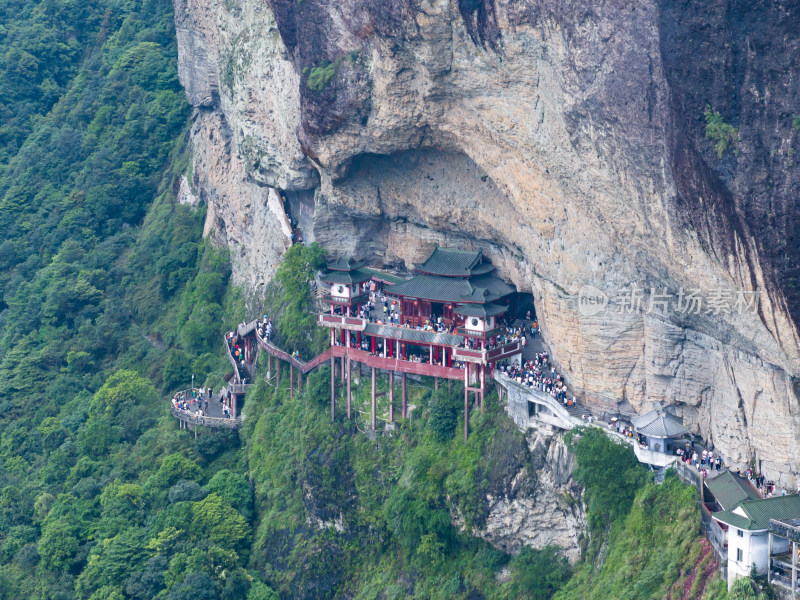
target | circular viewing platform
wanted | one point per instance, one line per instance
(186, 405)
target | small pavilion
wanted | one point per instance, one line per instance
(659, 430)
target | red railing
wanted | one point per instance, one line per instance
(340, 321)
(398, 364)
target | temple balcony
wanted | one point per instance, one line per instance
(342, 322)
(487, 356)
(478, 334)
(358, 299)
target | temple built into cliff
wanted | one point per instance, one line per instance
(442, 322)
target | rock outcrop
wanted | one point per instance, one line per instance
(569, 141)
(541, 505)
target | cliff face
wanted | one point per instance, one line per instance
(567, 139)
(535, 503)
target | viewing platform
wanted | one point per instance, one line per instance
(194, 401)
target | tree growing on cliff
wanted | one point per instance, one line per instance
(608, 471)
(721, 133)
(289, 299)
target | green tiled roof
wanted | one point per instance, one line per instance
(497, 286)
(346, 277)
(450, 263)
(383, 275)
(729, 490)
(731, 518)
(448, 289)
(345, 264)
(430, 287)
(414, 335)
(759, 512)
(480, 310)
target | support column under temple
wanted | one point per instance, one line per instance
(299, 380)
(333, 388)
(291, 380)
(269, 365)
(349, 377)
(404, 399)
(436, 384)
(374, 404)
(391, 396)
(277, 372)
(483, 384)
(466, 401)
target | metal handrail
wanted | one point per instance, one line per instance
(190, 417)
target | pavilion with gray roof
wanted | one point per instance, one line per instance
(660, 429)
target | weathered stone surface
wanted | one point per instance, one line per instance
(549, 512)
(568, 140)
(239, 214)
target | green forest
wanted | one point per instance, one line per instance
(112, 300)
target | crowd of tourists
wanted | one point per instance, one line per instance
(196, 402)
(264, 327)
(236, 348)
(539, 374)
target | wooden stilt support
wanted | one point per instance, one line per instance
(483, 385)
(404, 399)
(299, 381)
(277, 372)
(349, 393)
(466, 402)
(333, 389)
(391, 396)
(269, 365)
(291, 380)
(436, 383)
(374, 403)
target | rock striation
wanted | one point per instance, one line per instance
(541, 504)
(570, 141)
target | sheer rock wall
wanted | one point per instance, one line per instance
(568, 140)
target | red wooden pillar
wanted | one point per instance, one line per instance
(333, 388)
(404, 400)
(466, 401)
(373, 344)
(349, 377)
(483, 384)
(374, 402)
(358, 339)
(391, 396)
